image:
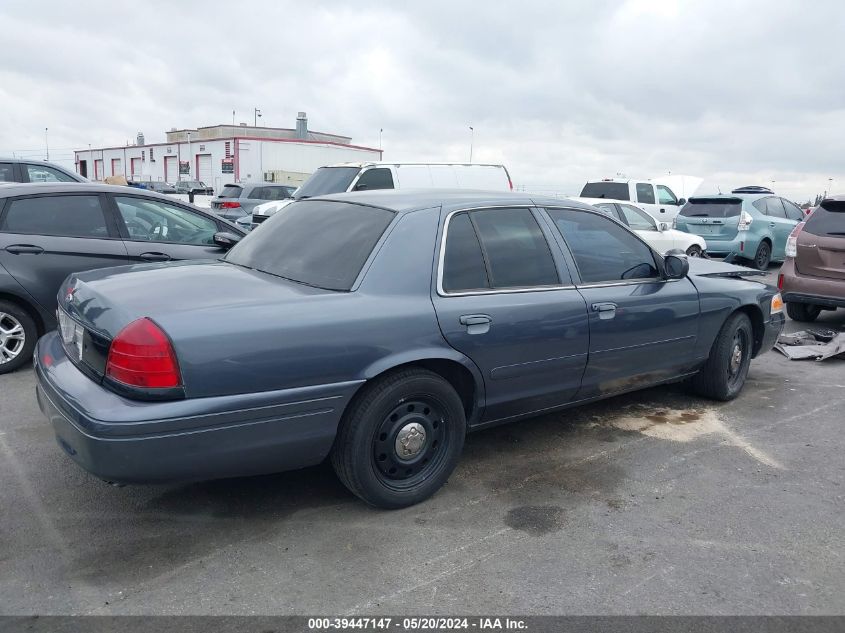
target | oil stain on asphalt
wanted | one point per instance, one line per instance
(535, 520)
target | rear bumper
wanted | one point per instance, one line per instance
(797, 288)
(128, 441)
(740, 246)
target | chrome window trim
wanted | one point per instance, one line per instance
(488, 291)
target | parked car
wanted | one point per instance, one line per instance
(19, 170)
(160, 186)
(659, 235)
(372, 176)
(48, 231)
(196, 186)
(382, 327)
(812, 278)
(658, 200)
(748, 224)
(239, 199)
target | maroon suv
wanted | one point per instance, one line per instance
(812, 278)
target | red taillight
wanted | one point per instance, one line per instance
(780, 281)
(141, 356)
(230, 205)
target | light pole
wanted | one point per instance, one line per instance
(189, 158)
(471, 141)
(47, 143)
(830, 187)
(233, 117)
(256, 114)
(379, 138)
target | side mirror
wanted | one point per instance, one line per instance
(226, 240)
(675, 266)
(682, 202)
(361, 187)
(663, 226)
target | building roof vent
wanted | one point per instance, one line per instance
(139, 140)
(301, 125)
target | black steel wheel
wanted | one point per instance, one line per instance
(400, 438)
(694, 251)
(723, 375)
(763, 256)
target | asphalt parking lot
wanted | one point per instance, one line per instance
(654, 502)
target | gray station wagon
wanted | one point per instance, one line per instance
(377, 328)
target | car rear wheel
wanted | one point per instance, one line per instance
(400, 439)
(17, 336)
(763, 256)
(803, 312)
(694, 251)
(723, 375)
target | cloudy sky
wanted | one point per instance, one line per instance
(737, 92)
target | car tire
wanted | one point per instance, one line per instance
(694, 251)
(803, 312)
(18, 334)
(414, 409)
(723, 375)
(763, 256)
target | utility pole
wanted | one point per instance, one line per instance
(233, 117)
(47, 143)
(471, 141)
(256, 114)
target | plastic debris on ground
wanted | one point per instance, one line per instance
(812, 344)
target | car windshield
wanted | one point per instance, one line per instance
(318, 243)
(827, 220)
(712, 208)
(610, 190)
(327, 180)
(231, 191)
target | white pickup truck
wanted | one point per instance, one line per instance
(656, 196)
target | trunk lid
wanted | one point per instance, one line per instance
(821, 243)
(711, 218)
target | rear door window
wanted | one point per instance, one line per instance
(712, 208)
(603, 250)
(609, 190)
(827, 221)
(645, 193)
(379, 178)
(463, 263)
(67, 216)
(7, 172)
(610, 209)
(637, 219)
(774, 208)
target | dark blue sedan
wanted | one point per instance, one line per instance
(377, 328)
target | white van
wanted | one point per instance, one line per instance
(381, 175)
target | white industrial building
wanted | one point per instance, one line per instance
(220, 154)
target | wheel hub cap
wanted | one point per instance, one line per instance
(736, 358)
(11, 338)
(410, 440)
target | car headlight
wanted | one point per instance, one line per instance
(777, 304)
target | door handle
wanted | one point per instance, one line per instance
(606, 310)
(18, 249)
(476, 323)
(155, 257)
(771, 225)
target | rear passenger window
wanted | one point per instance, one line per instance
(7, 172)
(68, 216)
(774, 208)
(463, 263)
(379, 178)
(603, 250)
(792, 211)
(645, 193)
(516, 252)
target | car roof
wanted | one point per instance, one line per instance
(10, 190)
(383, 163)
(403, 200)
(735, 196)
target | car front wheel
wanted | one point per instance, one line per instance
(400, 439)
(694, 251)
(803, 312)
(723, 375)
(17, 336)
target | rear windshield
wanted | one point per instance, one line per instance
(609, 190)
(718, 208)
(827, 220)
(319, 243)
(327, 180)
(231, 191)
